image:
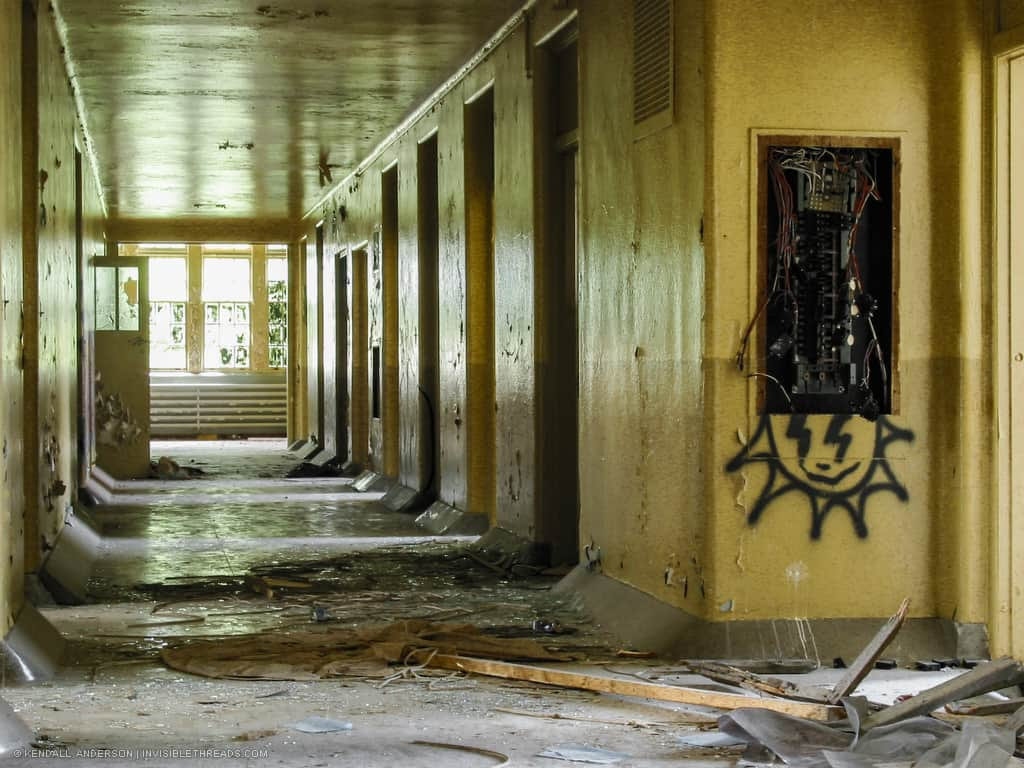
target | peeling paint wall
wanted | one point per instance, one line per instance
(11, 496)
(507, 70)
(642, 316)
(667, 282)
(50, 274)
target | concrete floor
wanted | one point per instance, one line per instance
(175, 557)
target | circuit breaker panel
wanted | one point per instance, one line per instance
(828, 278)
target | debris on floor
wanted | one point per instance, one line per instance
(336, 652)
(501, 757)
(166, 468)
(316, 724)
(309, 470)
(578, 753)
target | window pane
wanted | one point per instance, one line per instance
(277, 270)
(106, 298)
(168, 280)
(166, 337)
(128, 298)
(226, 279)
(227, 335)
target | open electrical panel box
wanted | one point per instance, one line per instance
(826, 265)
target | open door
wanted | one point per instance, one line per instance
(121, 390)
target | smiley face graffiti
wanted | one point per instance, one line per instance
(821, 469)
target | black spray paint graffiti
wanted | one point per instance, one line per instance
(822, 472)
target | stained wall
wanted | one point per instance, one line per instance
(912, 71)
(510, 500)
(50, 277)
(667, 281)
(11, 496)
(39, 323)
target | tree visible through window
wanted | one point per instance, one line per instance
(168, 297)
(277, 311)
(227, 303)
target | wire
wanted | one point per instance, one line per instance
(782, 389)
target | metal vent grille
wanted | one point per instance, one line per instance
(652, 63)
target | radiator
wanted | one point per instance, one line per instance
(192, 404)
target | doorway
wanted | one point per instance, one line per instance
(429, 351)
(557, 306)
(481, 490)
(342, 360)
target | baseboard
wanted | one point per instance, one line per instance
(14, 734)
(642, 622)
(33, 649)
(368, 480)
(68, 568)
(400, 498)
(442, 519)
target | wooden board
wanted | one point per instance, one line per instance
(865, 662)
(576, 680)
(990, 676)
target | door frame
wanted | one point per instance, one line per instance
(1006, 612)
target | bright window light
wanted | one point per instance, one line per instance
(227, 279)
(168, 280)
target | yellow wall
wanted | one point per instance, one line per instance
(50, 294)
(667, 282)
(514, 329)
(38, 277)
(910, 70)
(1011, 14)
(11, 500)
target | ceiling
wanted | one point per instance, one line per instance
(225, 108)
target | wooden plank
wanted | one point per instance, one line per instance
(865, 662)
(1007, 707)
(724, 673)
(566, 679)
(990, 676)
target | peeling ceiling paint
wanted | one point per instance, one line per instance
(230, 109)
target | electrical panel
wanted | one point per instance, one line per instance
(826, 300)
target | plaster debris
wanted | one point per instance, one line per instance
(115, 425)
(577, 753)
(166, 468)
(316, 724)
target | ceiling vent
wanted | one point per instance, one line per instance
(653, 59)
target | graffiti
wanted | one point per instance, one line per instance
(819, 468)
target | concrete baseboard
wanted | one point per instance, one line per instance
(498, 544)
(368, 480)
(14, 734)
(100, 486)
(444, 520)
(309, 451)
(68, 568)
(322, 458)
(400, 498)
(643, 622)
(36, 592)
(33, 649)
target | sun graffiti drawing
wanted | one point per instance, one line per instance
(815, 460)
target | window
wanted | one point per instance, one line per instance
(277, 311)
(117, 298)
(227, 300)
(168, 298)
